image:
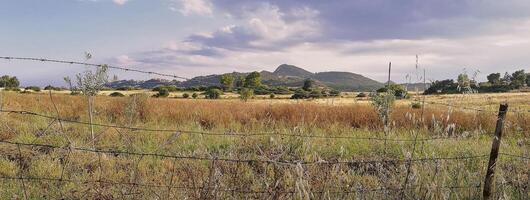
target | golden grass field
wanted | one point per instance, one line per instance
(302, 149)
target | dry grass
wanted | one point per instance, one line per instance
(210, 180)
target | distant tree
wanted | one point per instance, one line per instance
(253, 80)
(528, 79)
(396, 89)
(463, 81)
(116, 94)
(272, 96)
(194, 95)
(9, 82)
(34, 88)
(213, 93)
(506, 79)
(240, 82)
(494, 78)
(246, 93)
(442, 87)
(185, 95)
(308, 84)
(162, 92)
(227, 80)
(518, 79)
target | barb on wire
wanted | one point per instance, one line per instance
(228, 134)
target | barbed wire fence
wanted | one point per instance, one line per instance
(71, 148)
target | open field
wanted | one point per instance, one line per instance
(263, 149)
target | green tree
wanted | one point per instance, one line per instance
(213, 93)
(308, 84)
(246, 93)
(9, 82)
(494, 78)
(240, 81)
(518, 79)
(227, 80)
(185, 95)
(464, 83)
(194, 95)
(253, 80)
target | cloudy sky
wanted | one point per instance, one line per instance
(199, 37)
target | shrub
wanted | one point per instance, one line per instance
(272, 96)
(185, 95)
(362, 94)
(34, 88)
(398, 90)
(116, 94)
(300, 94)
(163, 92)
(126, 88)
(415, 105)
(246, 93)
(334, 93)
(213, 93)
(49, 87)
(169, 88)
(194, 95)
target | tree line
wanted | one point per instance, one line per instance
(495, 83)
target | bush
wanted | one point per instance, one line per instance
(334, 93)
(163, 92)
(415, 105)
(272, 96)
(246, 93)
(362, 94)
(49, 87)
(116, 94)
(213, 93)
(34, 88)
(300, 94)
(126, 88)
(185, 95)
(398, 90)
(194, 95)
(169, 88)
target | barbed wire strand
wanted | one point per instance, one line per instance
(294, 163)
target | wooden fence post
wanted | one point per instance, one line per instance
(488, 182)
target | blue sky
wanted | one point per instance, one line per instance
(199, 37)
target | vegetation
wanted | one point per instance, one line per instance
(495, 83)
(34, 88)
(246, 93)
(9, 82)
(213, 93)
(192, 178)
(398, 90)
(227, 80)
(116, 94)
(49, 87)
(162, 92)
(185, 95)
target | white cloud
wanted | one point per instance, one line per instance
(199, 7)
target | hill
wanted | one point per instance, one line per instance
(284, 75)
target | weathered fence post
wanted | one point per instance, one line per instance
(488, 182)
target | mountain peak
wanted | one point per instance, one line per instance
(291, 70)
